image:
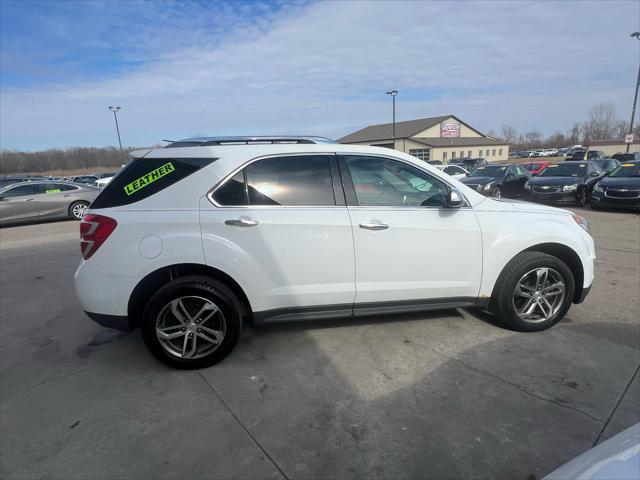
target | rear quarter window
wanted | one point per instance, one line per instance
(144, 177)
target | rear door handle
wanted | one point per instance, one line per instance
(374, 226)
(241, 222)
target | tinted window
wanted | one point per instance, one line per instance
(143, 177)
(383, 182)
(292, 180)
(232, 192)
(495, 171)
(20, 191)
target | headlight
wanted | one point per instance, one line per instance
(569, 188)
(598, 188)
(488, 186)
(582, 222)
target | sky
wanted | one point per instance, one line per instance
(187, 68)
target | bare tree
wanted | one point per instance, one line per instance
(509, 134)
(602, 122)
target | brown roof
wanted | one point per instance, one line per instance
(458, 141)
(385, 130)
(610, 141)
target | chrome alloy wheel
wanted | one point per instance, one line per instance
(539, 295)
(190, 327)
(78, 210)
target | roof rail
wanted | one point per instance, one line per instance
(259, 140)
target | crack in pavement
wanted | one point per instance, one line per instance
(524, 390)
(242, 425)
(617, 405)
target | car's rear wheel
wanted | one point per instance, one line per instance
(533, 292)
(192, 322)
(78, 209)
(496, 192)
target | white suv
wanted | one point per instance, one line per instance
(191, 240)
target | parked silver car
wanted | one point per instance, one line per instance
(44, 200)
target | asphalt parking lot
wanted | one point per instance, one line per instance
(443, 395)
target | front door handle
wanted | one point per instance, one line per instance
(241, 222)
(374, 226)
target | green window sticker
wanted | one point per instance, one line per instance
(149, 178)
(53, 190)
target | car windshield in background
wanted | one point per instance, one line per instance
(627, 170)
(565, 170)
(489, 171)
(533, 166)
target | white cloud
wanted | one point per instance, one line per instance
(323, 69)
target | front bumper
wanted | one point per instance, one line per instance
(583, 294)
(555, 197)
(600, 199)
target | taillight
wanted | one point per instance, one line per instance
(94, 231)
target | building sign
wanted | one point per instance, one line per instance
(449, 129)
(628, 138)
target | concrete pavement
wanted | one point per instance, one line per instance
(443, 395)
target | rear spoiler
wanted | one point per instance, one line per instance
(140, 153)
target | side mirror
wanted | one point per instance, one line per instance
(455, 200)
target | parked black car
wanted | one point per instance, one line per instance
(626, 157)
(568, 182)
(577, 154)
(498, 180)
(468, 163)
(620, 189)
(607, 164)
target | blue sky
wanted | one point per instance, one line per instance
(185, 68)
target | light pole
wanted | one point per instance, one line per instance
(115, 116)
(393, 94)
(635, 97)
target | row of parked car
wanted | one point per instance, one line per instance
(602, 182)
(546, 152)
(32, 198)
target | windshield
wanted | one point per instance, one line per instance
(570, 169)
(533, 166)
(627, 170)
(489, 171)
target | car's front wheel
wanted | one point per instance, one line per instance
(533, 292)
(496, 192)
(582, 197)
(192, 322)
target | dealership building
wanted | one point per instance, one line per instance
(613, 146)
(435, 138)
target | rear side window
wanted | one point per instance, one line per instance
(144, 177)
(297, 180)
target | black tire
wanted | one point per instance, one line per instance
(496, 192)
(74, 208)
(193, 286)
(581, 197)
(502, 300)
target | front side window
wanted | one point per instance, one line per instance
(384, 182)
(302, 180)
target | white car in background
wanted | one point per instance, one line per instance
(103, 182)
(453, 171)
(190, 241)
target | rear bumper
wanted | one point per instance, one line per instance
(115, 322)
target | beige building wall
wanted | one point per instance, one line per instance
(496, 153)
(435, 130)
(619, 148)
